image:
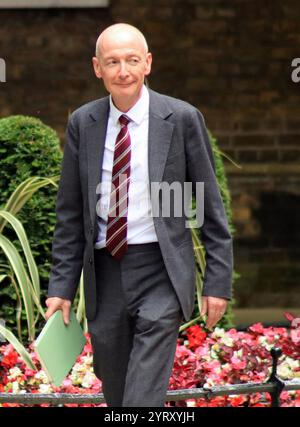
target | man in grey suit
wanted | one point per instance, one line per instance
(139, 268)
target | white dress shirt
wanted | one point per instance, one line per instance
(140, 226)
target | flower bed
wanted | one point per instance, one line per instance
(202, 359)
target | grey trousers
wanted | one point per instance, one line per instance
(135, 330)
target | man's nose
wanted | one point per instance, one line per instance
(123, 70)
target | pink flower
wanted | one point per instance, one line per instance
(67, 383)
(295, 336)
(29, 372)
(289, 316)
(88, 348)
(257, 328)
(237, 363)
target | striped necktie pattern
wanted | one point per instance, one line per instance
(116, 233)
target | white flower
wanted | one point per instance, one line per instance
(216, 347)
(76, 377)
(88, 380)
(284, 371)
(228, 341)
(226, 367)
(205, 357)
(14, 373)
(73, 375)
(89, 360)
(15, 387)
(213, 354)
(238, 353)
(264, 342)
(209, 383)
(45, 388)
(269, 346)
(287, 368)
(42, 377)
(294, 364)
(77, 367)
(218, 333)
(191, 402)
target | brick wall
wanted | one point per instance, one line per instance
(230, 59)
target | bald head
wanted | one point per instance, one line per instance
(122, 61)
(122, 33)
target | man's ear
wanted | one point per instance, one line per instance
(148, 64)
(97, 68)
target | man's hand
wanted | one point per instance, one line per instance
(54, 304)
(215, 309)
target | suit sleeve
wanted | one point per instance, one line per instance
(215, 234)
(68, 240)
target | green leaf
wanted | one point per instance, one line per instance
(10, 337)
(19, 307)
(24, 192)
(19, 229)
(80, 306)
(188, 324)
(23, 281)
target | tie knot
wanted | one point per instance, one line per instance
(124, 120)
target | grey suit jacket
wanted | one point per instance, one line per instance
(179, 150)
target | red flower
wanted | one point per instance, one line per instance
(10, 359)
(11, 405)
(238, 400)
(196, 336)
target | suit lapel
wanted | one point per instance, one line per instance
(95, 134)
(159, 137)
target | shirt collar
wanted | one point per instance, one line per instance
(136, 113)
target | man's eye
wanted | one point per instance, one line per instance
(112, 62)
(133, 61)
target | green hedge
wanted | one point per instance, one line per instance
(228, 319)
(28, 148)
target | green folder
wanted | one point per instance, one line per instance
(59, 345)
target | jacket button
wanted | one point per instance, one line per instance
(90, 261)
(91, 230)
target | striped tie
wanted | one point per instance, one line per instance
(116, 233)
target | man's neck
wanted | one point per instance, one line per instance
(125, 105)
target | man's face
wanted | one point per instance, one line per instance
(123, 65)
